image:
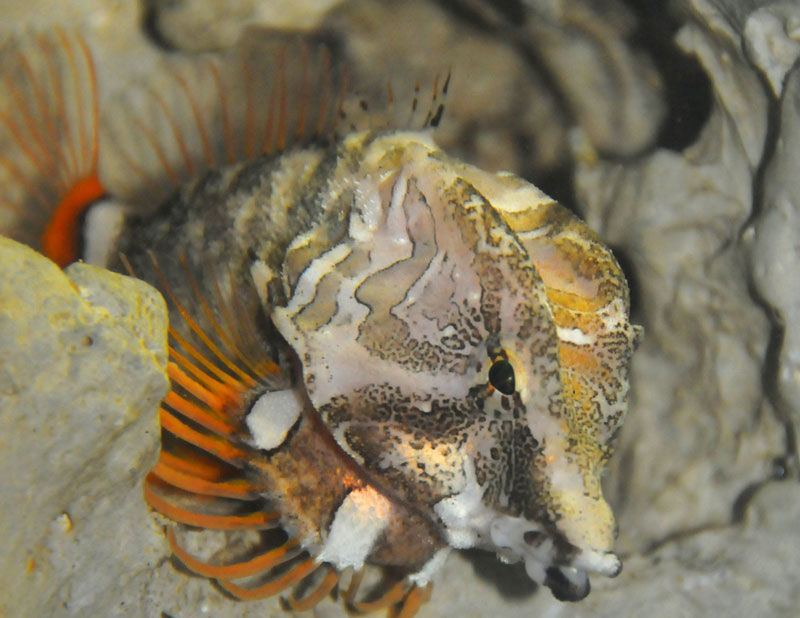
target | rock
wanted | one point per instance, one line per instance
(776, 238)
(613, 93)
(199, 25)
(701, 429)
(772, 40)
(414, 41)
(81, 374)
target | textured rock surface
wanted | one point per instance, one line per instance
(710, 232)
(776, 243)
(199, 25)
(522, 77)
(698, 376)
(81, 373)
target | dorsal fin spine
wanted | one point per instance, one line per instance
(224, 112)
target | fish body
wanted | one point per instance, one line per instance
(386, 353)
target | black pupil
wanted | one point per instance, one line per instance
(501, 376)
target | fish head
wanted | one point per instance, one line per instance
(433, 350)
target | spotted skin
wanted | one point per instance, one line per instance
(393, 277)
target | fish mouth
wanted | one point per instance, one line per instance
(568, 583)
(551, 558)
(571, 583)
(552, 561)
(603, 562)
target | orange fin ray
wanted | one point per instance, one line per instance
(212, 110)
(237, 488)
(272, 587)
(415, 599)
(189, 460)
(349, 595)
(312, 599)
(44, 157)
(34, 191)
(394, 594)
(212, 444)
(261, 563)
(227, 131)
(219, 374)
(228, 391)
(216, 395)
(221, 333)
(256, 520)
(49, 126)
(195, 327)
(197, 414)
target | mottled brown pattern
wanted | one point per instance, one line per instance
(399, 277)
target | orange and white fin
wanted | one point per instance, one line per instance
(201, 478)
(215, 365)
(200, 112)
(207, 476)
(49, 134)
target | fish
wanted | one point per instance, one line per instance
(378, 353)
(50, 133)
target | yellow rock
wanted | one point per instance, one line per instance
(82, 370)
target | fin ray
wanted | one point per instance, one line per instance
(255, 520)
(272, 587)
(262, 563)
(392, 595)
(206, 111)
(49, 125)
(237, 488)
(211, 444)
(412, 603)
(313, 598)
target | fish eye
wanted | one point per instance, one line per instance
(501, 376)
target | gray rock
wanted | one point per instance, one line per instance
(776, 247)
(199, 25)
(701, 429)
(772, 40)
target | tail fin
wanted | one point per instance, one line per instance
(48, 141)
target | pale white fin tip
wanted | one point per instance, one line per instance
(272, 416)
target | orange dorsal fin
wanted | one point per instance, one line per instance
(267, 94)
(49, 134)
(201, 112)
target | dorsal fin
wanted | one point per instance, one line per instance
(208, 111)
(268, 93)
(48, 141)
(413, 107)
